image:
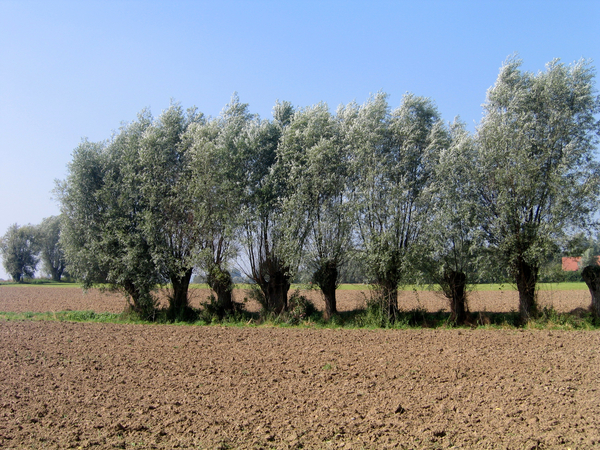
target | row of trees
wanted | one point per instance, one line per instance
(396, 189)
(23, 247)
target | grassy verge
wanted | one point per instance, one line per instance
(369, 318)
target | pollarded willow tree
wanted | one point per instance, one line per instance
(317, 210)
(450, 239)
(538, 175)
(217, 150)
(394, 160)
(103, 210)
(170, 217)
(263, 222)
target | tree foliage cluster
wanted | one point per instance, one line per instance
(23, 247)
(399, 191)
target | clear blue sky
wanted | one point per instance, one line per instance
(74, 69)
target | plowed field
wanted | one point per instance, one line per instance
(74, 385)
(43, 299)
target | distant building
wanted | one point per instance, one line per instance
(571, 263)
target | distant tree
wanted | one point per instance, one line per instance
(576, 244)
(19, 248)
(589, 258)
(238, 277)
(393, 167)
(538, 175)
(51, 252)
(354, 271)
(103, 215)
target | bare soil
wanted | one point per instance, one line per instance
(90, 385)
(74, 385)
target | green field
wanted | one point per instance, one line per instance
(570, 286)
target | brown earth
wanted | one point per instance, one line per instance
(44, 298)
(90, 385)
(75, 385)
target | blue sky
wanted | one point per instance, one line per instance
(75, 69)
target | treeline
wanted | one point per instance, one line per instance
(24, 247)
(397, 192)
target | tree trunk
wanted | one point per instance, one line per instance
(391, 299)
(274, 282)
(143, 302)
(326, 278)
(387, 288)
(277, 292)
(134, 294)
(221, 283)
(179, 308)
(56, 274)
(59, 271)
(454, 287)
(591, 276)
(526, 280)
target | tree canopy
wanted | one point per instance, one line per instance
(395, 156)
(537, 173)
(397, 191)
(19, 248)
(103, 207)
(51, 252)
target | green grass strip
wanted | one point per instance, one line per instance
(369, 319)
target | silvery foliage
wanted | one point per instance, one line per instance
(218, 149)
(317, 211)
(589, 258)
(83, 206)
(394, 158)
(19, 248)
(264, 188)
(537, 171)
(170, 218)
(103, 209)
(451, 237)
(51, 252)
